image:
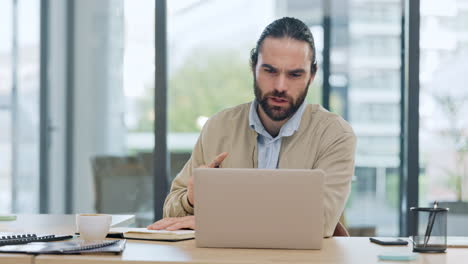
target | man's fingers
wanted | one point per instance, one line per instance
(176, 226)
(155, 226)
(184, 222)
(214, 164)
(217, 161)
(174, 223)
(163, 223)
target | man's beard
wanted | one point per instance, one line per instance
(279, 113)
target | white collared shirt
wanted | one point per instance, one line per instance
(269, 147)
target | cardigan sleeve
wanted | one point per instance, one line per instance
(337, 160)
(176, 203)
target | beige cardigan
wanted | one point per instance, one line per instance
(323, 141)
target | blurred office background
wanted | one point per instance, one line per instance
(78, 98)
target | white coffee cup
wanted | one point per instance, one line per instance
(93, 226)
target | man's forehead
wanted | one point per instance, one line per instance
(285, 53)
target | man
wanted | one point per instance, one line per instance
(276, 130)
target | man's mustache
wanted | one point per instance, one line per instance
(279, 95)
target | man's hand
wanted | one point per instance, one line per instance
(213, 164)
(174, 223)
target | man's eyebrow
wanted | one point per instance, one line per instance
(296, 71)
(268, 66)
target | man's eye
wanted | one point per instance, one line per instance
(269, 70)
(295, 75)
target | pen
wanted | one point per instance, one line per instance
(430, 224)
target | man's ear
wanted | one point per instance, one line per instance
(252, 68)
(312, 75)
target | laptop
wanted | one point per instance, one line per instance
(259, 208)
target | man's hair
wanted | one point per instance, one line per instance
(286, 27)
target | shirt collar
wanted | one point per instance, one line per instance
(288, 129)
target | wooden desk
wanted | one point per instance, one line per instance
(52, 224)
(16, 259)
(341, 250)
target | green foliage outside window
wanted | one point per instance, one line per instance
(205, 84)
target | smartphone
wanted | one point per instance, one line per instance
(389, 241)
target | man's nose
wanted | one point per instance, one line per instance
(280, 83)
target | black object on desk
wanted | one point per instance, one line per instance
(28, 238)
(122, 236)
(389, 241)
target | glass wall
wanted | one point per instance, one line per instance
(365, 84)
(5, 105)
(365, 89)
(443, 130)
(19, 105)
(208, 70)
(113, 114)
(208, 55)
(138, 84)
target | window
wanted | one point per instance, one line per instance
(372, 101)
(443, 104)
(373, 79)
(209, 60)
(19, 106)
(113, 90)
(208, 56)
(379, 113)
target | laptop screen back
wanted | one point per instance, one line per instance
(258, 208)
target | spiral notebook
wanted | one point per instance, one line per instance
(15, 239)
(67, 247)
